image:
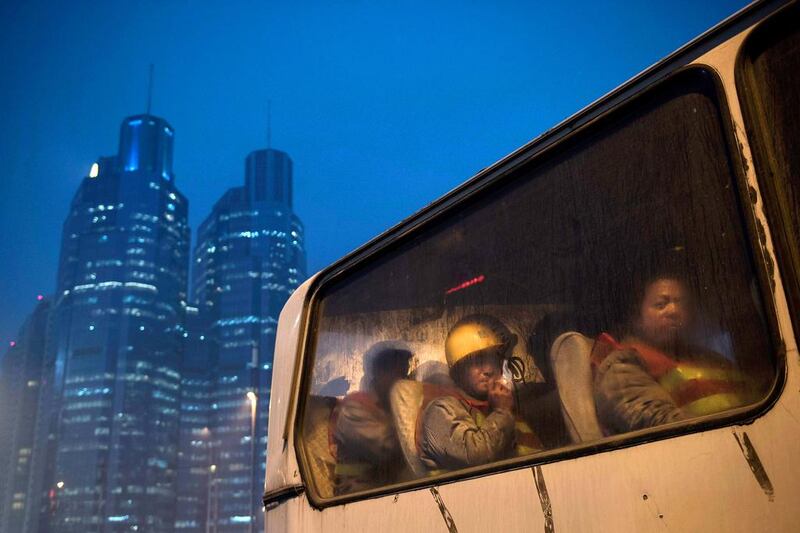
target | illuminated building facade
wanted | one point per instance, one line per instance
(107, 443)
(20, 381)
(248, 259)
(196, 461)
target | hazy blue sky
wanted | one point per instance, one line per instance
(383, 106)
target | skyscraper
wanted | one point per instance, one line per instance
(107, 443)
(248, 259)
(196, 461)
(20, 380)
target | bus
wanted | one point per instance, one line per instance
(596, 333)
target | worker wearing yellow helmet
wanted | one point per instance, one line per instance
(475, 424)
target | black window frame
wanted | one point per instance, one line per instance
(771, 186)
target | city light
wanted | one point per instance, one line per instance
(94, 171)
(39, 297)
(251, 396)
(60, 484)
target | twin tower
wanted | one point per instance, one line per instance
(151, 369)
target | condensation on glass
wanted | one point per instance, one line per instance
(610, 275)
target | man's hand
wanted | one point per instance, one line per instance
(500, 397)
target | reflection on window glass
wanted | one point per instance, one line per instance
(604, 289)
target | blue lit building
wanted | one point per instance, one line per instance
(20, 381)
(196, 461)
(248, 259)
(106, 451)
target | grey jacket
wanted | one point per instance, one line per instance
(451, 437)
(628, 398)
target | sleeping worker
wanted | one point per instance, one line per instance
(363, 436)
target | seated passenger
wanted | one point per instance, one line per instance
(363, 437)
(654, 375)
(474, 424)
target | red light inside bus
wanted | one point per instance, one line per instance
(468, 283)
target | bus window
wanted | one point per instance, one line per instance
(549, 309)
(770, 90)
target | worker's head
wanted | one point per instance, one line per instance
(475, 349)
(384, 363)
(663, 313)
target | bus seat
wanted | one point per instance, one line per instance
(317, 442)
(570, 360)
(406, 400)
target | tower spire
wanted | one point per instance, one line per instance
(150, 90)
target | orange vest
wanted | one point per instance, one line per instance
(351, 471)
(700, 386)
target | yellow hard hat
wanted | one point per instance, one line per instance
(477, 334)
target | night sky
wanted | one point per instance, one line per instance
(382, 108)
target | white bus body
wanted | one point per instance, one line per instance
(742, 475)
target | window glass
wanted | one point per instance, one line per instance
(603, 288)
(770, 89)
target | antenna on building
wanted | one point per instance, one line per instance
(150, 90)
(269, 124)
